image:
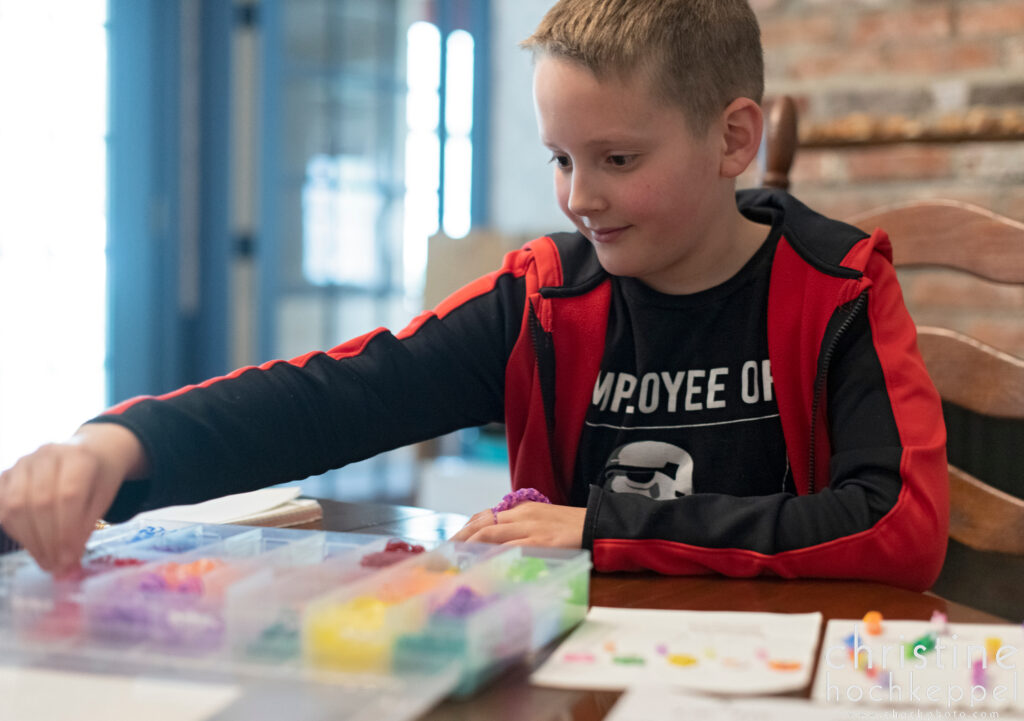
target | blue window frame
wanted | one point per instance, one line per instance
(168, 185)
(326, 243)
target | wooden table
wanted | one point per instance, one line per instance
(411, 523)
(513, 698)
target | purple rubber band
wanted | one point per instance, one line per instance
(513, 499)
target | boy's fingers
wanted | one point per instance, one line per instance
(102, 490)
(489, 527)
(482, 527)
(15, 512)
(77, 477)
(41, 490)
(502, 533)
(474, 524)
(43, 505)
(10, 505)
(50, 499)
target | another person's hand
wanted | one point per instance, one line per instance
(51, 499)
(528, 524)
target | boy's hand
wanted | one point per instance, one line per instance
(528, 524)
(50, 500)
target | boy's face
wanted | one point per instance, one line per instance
(631, 176)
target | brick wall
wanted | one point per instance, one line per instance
(908, 99)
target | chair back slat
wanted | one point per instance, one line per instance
(952, 234)
(982, 517)
(972, 374)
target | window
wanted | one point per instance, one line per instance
(343, 197)
(367, 149)
(53, 88)
(438, 184)
(340, 208)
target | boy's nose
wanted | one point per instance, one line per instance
(584, 195)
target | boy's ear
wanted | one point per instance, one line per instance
(743, 123)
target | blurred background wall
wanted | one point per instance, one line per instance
(902, 100)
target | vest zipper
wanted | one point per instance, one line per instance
(819, 384)
(542, 345)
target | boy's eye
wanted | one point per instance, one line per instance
(562, 161)
(620, 161)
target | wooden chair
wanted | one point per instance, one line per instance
(780, 131)
(986, 523)
(968, 373)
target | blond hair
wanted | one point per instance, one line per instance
(698, 54)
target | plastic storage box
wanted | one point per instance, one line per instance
(264, 614)
(177, 603)
(497, 613)
(354, 628)
(44, 607)
(390, 625)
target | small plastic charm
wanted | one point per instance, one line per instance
(682, 659)
(579, 658)
(396, 550)
(978, 674)
(992, 646)
(527, 570)
(922, 645)
(873, 623)
(147, 532)
(464, 602)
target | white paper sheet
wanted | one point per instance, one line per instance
(226, 509)
(663, 703)
(34, 694)
(714, 652)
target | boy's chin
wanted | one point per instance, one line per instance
(623, 271)
(617, 263)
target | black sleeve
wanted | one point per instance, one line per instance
(864, 485)
(287, 420)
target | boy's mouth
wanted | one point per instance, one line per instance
(606, 235)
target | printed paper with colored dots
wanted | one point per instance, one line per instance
(714, 652)
(952, 668)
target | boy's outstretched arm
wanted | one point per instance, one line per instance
(51, 499)
(263, 425)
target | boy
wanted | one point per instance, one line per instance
(700, 381)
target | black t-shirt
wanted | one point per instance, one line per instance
(684, 401)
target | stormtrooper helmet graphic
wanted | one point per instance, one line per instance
(651, 468)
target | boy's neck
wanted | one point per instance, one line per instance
(739, 239)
